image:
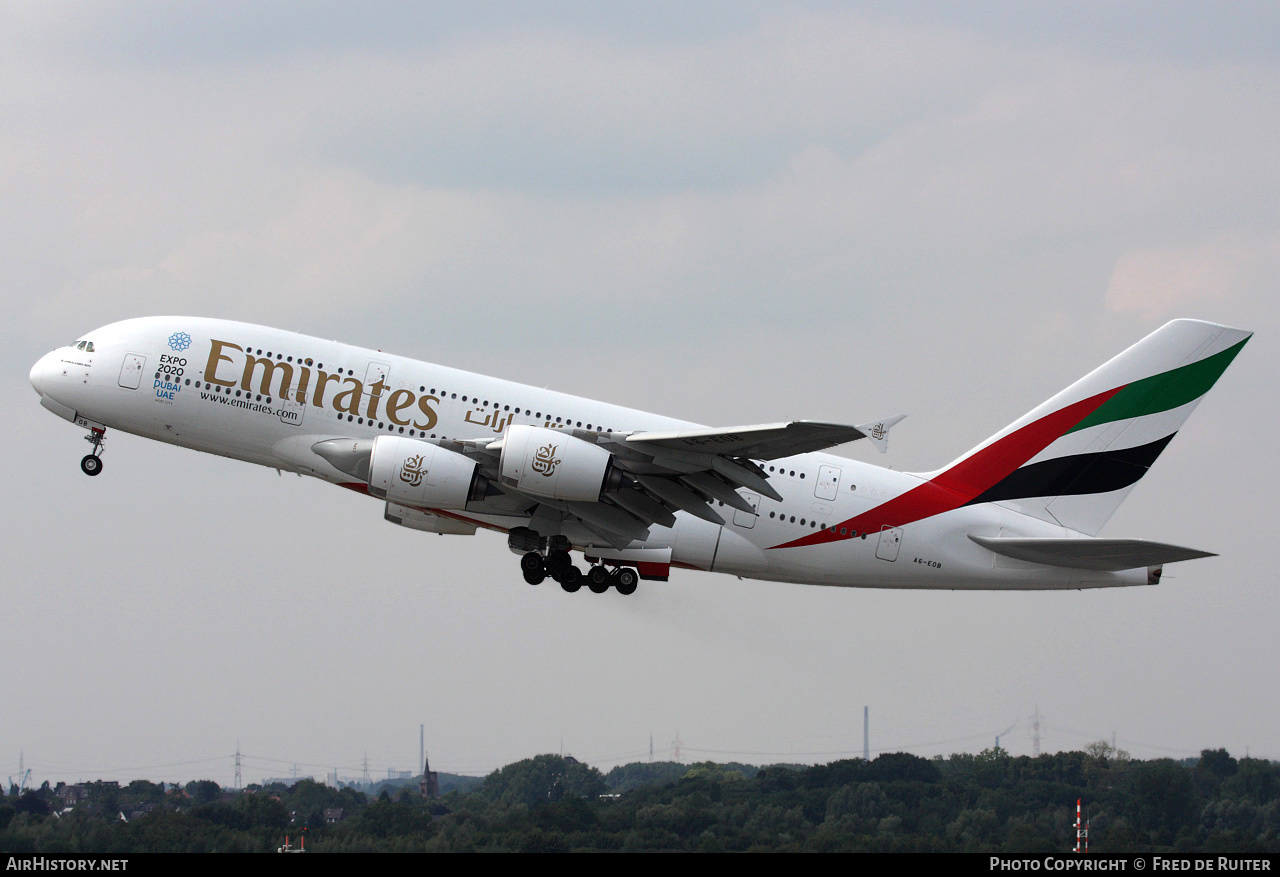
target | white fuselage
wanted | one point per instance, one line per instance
(205, 384)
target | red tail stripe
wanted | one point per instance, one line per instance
(965, 480)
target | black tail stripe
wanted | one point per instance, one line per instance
(1078, 474)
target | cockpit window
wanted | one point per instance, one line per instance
(81, 345)
(89, 347)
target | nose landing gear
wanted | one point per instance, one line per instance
(91, 464)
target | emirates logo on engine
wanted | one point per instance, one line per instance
(412, 471)
(545, 460)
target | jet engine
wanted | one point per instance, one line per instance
(543, 462)
(415, 473)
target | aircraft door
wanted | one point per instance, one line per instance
(291, 412)
(131, 370)
(890, 540)
(746, 520)
(377, 371)
(828, 482)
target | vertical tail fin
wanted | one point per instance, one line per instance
(1074, 459)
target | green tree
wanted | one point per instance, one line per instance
(542, 779)
(1218, 763)
(203, 791)
(1255, 779)
(975, 830)
(142, 792)
(893, 766)
(1164, 798)
(31, 802)
(1105, 751)
(626, 777)
(856, 808)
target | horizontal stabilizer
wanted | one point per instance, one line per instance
(1110, 555)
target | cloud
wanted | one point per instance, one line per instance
(1160, 282)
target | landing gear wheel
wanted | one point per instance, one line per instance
(532, 562)
(599, 575)
(571, 579)
(92, 463)
(599, 587)
(558, 561)
(535, 577)
(626, 581)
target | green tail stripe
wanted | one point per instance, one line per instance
(1163, 391)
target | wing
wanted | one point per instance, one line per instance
(615, 485)
(655, 474)
(762, 442)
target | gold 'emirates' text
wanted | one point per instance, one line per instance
(311, 385)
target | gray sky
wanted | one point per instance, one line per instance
(730, 213)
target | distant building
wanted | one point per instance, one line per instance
(334, 814)
(429, 785)
(143, 809)
(287, 782)
(70, 796)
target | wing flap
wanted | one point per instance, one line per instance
(1110, 555)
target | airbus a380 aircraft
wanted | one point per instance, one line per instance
(449, 451)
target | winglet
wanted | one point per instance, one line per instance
(878, 431)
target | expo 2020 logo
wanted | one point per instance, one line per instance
(179, 340)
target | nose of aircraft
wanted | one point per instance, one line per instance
(40, 374)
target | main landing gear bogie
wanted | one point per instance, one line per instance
(558, 565)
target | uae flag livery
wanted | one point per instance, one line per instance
(1072, 460)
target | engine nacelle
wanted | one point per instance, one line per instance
(414, 473)
(547, 463)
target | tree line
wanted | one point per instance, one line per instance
(989, 802)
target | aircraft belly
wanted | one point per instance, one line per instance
(737, 555)
(695, 542)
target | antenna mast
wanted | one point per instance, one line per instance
(1082, 832)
